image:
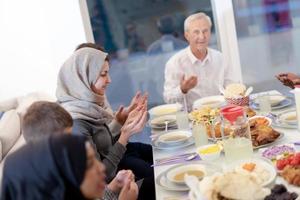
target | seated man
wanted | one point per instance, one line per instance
(289, 79)
(196, 71)
(46, 118)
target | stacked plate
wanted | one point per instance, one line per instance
(173, 178)
(173, 140)
(277, 102)
(161, 122)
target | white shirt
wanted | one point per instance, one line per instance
(211, 72)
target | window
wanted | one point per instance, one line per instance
(268, 38)
(141, 36)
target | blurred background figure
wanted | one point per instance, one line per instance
(134, 42)
(167, 42)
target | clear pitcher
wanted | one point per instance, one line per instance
(236, 134)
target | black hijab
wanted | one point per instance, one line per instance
(52, 168)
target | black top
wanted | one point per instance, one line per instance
(48, 169)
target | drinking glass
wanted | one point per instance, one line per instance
(182, 120)
(264, 104)
(200, 134)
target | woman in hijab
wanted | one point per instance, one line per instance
(82, 83)
(59, 167)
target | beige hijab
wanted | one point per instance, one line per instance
(74, 91)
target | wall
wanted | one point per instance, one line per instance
(36, 37)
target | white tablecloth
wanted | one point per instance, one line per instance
(290, 135)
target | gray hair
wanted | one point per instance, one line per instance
(196, 16)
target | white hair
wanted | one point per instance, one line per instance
(196, 16)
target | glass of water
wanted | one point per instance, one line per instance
(200, 134)
(264, 104)
(182, 120)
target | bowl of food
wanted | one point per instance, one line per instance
(259, 120)
(235, 94)
(204, 114)
(289, 117)
(274, 100)
(230, 185)
(211, 101)
(262, 169)
(239, 101)
(209, 152)
(174, 137)
(176, 174)
(165, 109)
(162, 120)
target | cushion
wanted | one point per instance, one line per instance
(8, 104)
(10, 130)
(25, 101)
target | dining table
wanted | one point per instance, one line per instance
(291, 136)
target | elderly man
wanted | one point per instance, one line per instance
(196, 71)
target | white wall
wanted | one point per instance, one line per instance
(36, 37)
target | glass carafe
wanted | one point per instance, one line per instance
(236, 134)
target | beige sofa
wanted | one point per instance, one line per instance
(11, 137)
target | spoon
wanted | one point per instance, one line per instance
(166, 127)
(248, 91)
(221, 89)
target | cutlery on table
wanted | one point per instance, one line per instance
(175, 160)
(175, 157)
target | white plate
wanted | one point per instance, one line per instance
(174, 137)
(211, 101)
(285, 103)
(163, 182)
(161, 146)
(276, 122)
(264, 163)
(281, 135)
(283, 125)
(162, 128)
(166, 109)
(257, 116)
(283, 117)
(160, 121)
(170, 174)
(274, 99)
